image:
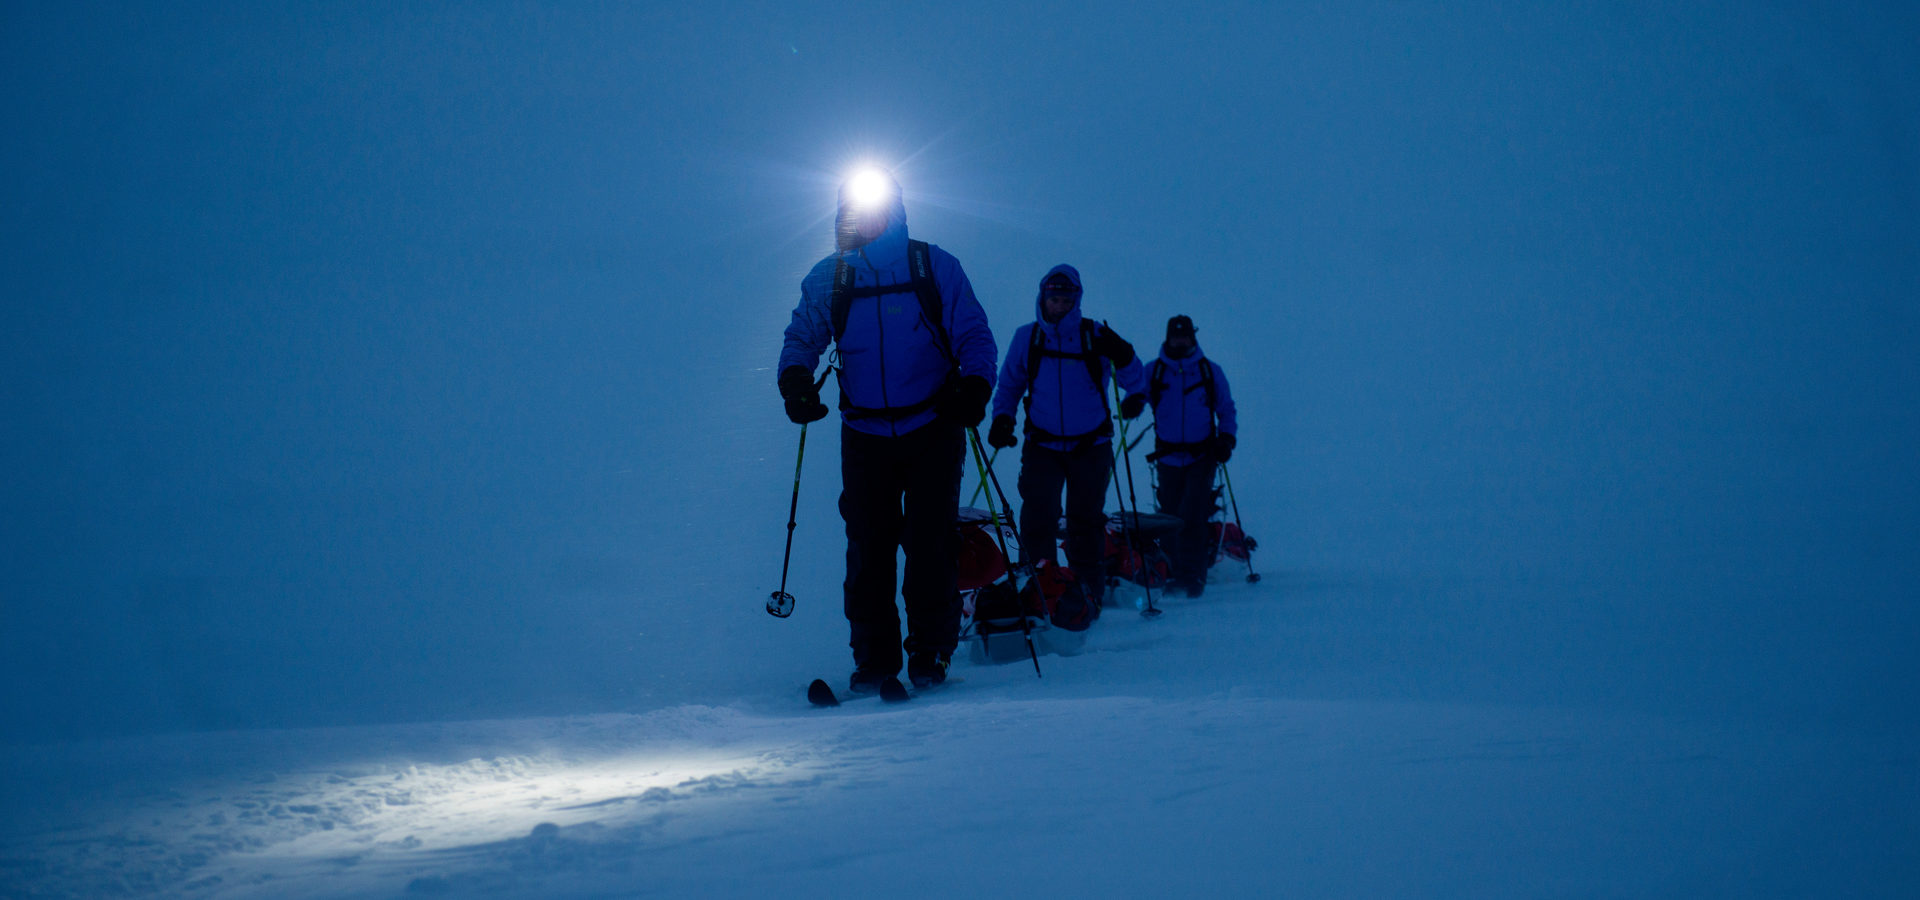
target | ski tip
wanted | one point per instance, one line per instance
(819, 694)
(892, 691)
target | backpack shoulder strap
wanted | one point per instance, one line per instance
(920, 275)
(1096, 365)
(920, 269)
(1157, 382)
(838, 301)
(1036, 351)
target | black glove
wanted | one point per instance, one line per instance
(1133, 406)
(1223, 445)
(1001, 435)
(1113, 347)
(803, 398)
(964, 400)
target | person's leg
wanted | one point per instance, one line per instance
(1195, 509)
(932, 541)
(870, 504)
(1042, 472)
(1087, 476)
(1172, 493)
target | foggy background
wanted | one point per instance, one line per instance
(371, 364)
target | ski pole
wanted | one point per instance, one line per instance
(1005, 504)
(1026, 627)
(1252, 576)
(1133, 534)
(781, 603)
(995, 456)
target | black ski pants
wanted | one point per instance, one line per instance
(1083, 471)
(1187, 492)
(901, 492)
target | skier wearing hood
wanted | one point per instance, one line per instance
(1061, 364)
(916, 361)
(1194, 430)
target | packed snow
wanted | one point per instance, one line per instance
(1169, 758)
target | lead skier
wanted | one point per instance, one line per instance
(916, 358)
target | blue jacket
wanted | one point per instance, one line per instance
(888, 356)
(1180, 413)
(1066, 400)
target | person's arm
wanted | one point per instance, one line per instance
(1013, 373)
(1228, 419)
(810, 330)
(1132, 376)
(973, 346)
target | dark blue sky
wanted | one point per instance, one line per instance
(350, 342)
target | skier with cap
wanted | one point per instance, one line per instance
(1194, 430)
(1061, 363)
(916, 359)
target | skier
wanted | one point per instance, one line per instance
(1060, 364)
(1194, 431)
(916, 358)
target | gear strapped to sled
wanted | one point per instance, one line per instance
(920, 282)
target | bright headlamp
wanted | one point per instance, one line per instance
(869, 189)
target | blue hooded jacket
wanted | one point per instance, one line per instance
(1180, 413)
(889, 357)
(1066, 401)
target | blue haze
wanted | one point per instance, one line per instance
(371, 362)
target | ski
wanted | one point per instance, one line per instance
(821, 695)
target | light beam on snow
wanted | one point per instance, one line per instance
(491, 803)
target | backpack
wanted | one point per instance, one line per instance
(1157, 383)
(920, 281)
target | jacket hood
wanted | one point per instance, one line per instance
(1039, 309)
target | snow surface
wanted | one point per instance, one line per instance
(395, 475)
(1164, 760)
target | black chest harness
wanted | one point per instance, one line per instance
(1037, 350)
(1157, 388)
(921, 284)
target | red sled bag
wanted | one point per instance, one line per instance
(1124, 561)
(1056, 589)
(1230, 541)
(981, 562)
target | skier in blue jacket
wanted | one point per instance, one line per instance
(1194, 430)
(1061, 364)
(916, 359)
